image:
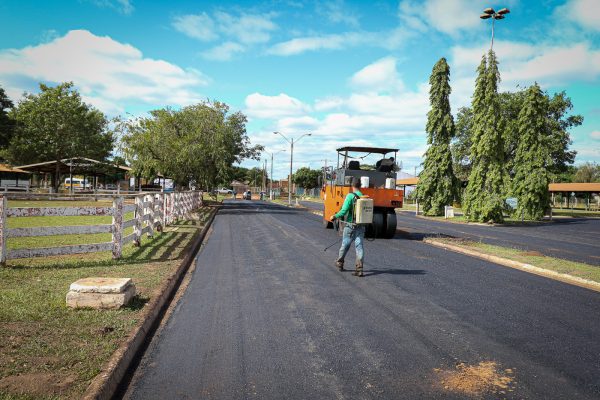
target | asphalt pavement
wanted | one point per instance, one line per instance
(576, 239)
(267, 316)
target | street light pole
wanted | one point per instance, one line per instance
(271, 180)
(491, 13)
(291, 142)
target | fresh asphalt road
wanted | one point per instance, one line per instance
(576, 239)
(267, 316)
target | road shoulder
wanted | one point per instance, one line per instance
(573, 273)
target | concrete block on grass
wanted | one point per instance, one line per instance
(101, 293)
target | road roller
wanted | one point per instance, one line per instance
(378, 182)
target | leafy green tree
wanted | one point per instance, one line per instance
(530, 183)
(588, 172)
(6, 122)
(307, 178)
(56, 124)
(557, 109)
(199, 143)
(485, 192)
(254, 176)
(437, 183)
(461, 146)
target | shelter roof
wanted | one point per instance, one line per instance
(8, 168)
(377, 150)
(408, 181)
(574, 187)
(76, 164)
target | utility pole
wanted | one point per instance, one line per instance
(271, 180)
(291, 142)
(264, 182)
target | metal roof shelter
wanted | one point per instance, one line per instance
(574, 187)
(76, 165)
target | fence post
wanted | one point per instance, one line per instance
(151, 215)
(3, 224)
(139, 219)
(117, 227)
(161, 212)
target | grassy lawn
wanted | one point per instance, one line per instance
(534, 258)
(50, 351)
(61, 240)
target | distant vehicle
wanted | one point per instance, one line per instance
(224, 191)
(247, 195)
(110, 186)
(78, 184)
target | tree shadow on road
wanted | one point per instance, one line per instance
(394, 271)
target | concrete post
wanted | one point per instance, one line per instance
(117, 227)
(139, 219)
(151, 215)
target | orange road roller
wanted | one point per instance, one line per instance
(378, 182)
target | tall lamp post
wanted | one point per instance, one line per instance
(494, 15)
(271, 181)
(291, 142)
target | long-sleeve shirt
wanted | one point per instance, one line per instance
(347, 207)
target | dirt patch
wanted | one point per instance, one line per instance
(532, 253)
(477, 380)
(37, 384)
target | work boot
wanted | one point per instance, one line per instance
(359, 269)
(339, 264)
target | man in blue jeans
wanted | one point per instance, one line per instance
(352, 232)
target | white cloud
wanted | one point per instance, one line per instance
(244, 28)
(247, 28)
(378, 76)
(224, 52)
(122, 6)
(106, 72)
(336, 11)
(329, 103)
(238, 31)
(586, 13)
(595, 135)
(523, 64)
(447, 16)
(272, 107)
(199, 26)
(389, 40)
(325, 42)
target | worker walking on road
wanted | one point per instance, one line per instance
(352, 231)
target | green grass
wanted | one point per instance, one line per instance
(61, 203)
(40, 335)
(575, 213)
(537, 259)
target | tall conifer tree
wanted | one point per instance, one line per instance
(530, 184)
(437, 184)
(484, 196)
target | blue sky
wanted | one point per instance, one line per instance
(350, 72)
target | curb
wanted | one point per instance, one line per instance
(557, 276)
(106, 383)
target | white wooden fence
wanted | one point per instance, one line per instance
(151, 213)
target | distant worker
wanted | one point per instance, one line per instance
(352, 232)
